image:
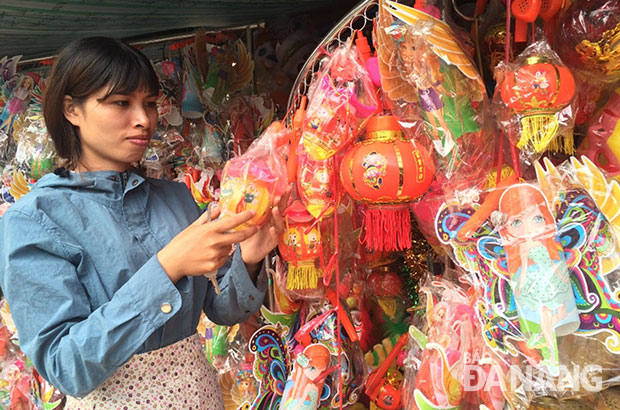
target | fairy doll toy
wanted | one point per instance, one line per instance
(539, 276)
(20, 97)
(424, 74)
(427, 78)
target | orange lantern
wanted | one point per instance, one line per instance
(386, 172)
(538, 91)
(248, 186)
(300, 245)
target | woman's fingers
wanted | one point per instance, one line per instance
(277, 220)
(233, 221)
(211, 214)
(238, 236)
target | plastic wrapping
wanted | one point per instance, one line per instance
(340, 99)
(296, 359)
(543, 260)
(449, 367)
(536, 93)
(587, 38)
(302, 248)
(428, 78)
(253, 180)
(602, 141)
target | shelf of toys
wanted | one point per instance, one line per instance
(452, 240)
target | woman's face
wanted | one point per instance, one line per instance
(115, 131)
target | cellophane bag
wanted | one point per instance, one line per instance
(448, 366)
(535, 102)
(341, 98)
(542, 258)
(254, 179)
(428, 78)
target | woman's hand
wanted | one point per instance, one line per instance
(204, 246)
(254, 249)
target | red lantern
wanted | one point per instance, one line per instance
(386, 172)
(300, 246)
(538, 91)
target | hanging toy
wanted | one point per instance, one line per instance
(602, 142)
(386, 172)
(300, 245)
(538, 89)
(339, 102)
(254, 179)
(388, 287)
(428, 79)
(315, 185)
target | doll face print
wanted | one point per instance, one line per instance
(526, 225)
(27, 83)
(114, 130)
(312, 372)
(408, 52)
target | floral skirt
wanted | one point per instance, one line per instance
(173, 377)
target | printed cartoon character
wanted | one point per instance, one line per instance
(244, 390)
(303, 388)
(375, 166)
(312, 241)
(291, 238)
(539, 276)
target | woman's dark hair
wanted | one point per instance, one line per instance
(82, 68)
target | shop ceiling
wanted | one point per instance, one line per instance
(39, 28)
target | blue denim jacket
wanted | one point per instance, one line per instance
(79, 270)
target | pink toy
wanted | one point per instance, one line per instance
(602, 143)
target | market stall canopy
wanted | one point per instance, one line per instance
(38, 28)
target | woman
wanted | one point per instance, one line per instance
(102, 267)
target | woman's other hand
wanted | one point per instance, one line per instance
(205, 245)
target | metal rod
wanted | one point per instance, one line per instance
(162, 39)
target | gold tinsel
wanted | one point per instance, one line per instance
(416, 262)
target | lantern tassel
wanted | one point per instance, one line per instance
(387, 229)
(563, 143)
(303, 276)
(538, 130)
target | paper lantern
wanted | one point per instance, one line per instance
(250, 186)
(537, 92)
(300, 245)
(385, 171)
